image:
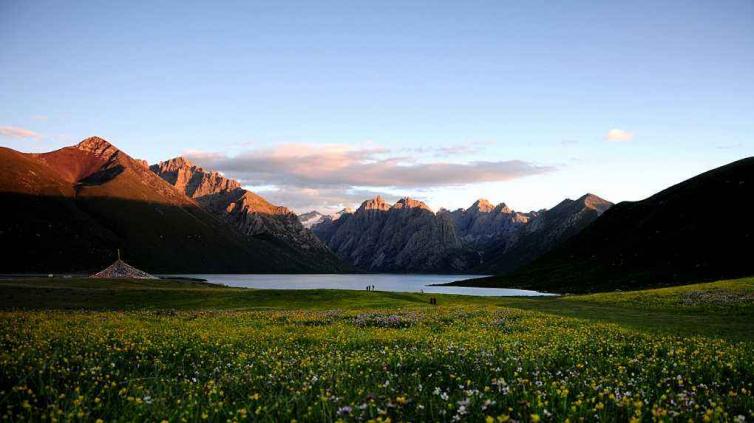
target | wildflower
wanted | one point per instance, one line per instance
(345, 411)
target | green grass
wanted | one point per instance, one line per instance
(722, 309)
(94, 294)
(717, 297)
(81, 349)
(719, 309)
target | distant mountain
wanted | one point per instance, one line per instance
(310, 219)
(246, 211)
(483, 238)
(404, 237)
(700, 229)
(70, 209)
(314, 217)
(484, 224)
(545, 230)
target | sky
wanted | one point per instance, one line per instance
(321, 105)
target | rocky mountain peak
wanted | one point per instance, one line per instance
(314, 217)
(97, 146)
(176, 163)
(246, 211)
(193, 180)
(503, 208)
(595, 202)
(481, 205)
(376, 203)
(410, 203)
(585, 202)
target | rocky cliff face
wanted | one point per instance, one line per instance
(404, 237)
(246, 211)
(192, 180)
(484, 224)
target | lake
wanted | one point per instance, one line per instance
(381, 282)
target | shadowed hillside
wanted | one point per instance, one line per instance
(547, 230)
(701, 229)
(68, 211)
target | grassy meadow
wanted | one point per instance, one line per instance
(85, 350)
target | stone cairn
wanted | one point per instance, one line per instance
(122, 270)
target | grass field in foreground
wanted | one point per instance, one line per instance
(138, 350)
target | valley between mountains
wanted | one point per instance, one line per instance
(71, 209)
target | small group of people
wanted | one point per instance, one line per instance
(433, 300)
(370, 287)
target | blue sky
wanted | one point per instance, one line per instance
(469, 91)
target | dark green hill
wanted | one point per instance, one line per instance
(701, 229)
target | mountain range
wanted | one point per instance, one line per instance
(484, 238)
(70, 210)
(404, 237)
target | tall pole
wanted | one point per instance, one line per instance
(118, 253)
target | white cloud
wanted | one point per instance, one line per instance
(308, 176)
(337, 165)
(18, 133)
(619, 135)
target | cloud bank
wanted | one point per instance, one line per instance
(18, 133)
(340, 174)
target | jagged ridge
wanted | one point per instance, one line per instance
(248, 212)
(409, 236)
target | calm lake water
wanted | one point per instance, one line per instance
(381, 282)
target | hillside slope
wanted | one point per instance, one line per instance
(70, 209)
